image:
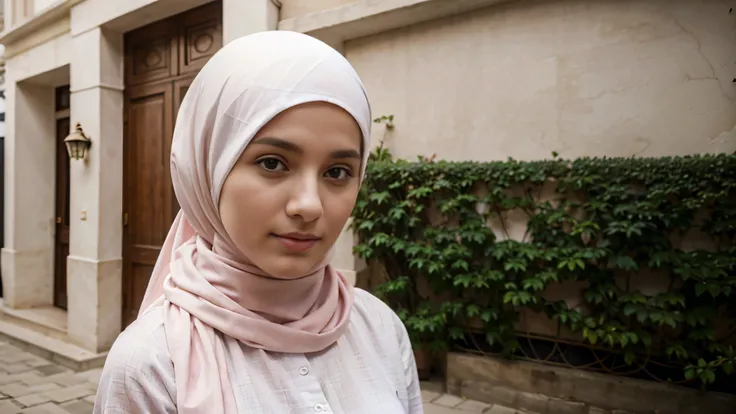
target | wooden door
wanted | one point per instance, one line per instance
(161, 62)
(61, 247)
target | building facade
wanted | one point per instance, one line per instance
(82, 235)
(466, 79)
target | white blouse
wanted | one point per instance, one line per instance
(369, 370)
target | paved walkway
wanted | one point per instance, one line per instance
(435, 403)
(33, 385)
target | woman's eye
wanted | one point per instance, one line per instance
(272, 164)
(338, 173)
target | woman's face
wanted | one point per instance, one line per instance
(290, 194)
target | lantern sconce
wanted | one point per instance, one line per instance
(77, 143)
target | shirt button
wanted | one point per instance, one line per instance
(318, 408)
(304, 371)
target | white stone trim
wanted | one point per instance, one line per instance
(368, 17)
(53, 13)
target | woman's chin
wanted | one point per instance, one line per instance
(288, 267)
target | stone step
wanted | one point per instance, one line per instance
(50, 348)
(48, 320)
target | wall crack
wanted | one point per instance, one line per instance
(700, 52)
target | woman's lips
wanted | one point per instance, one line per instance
(297, 243)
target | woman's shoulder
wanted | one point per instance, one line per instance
(138, 375)
(147, 332)
(365, 299)
(375, 313)
(141, 348)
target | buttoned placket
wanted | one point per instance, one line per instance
(308, 385)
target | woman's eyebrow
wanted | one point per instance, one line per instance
(279, 143)
(351, 153)
(291, 147)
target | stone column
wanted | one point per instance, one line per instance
(243, 17)
(96, 228)
(30, 157)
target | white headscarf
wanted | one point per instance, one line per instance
(243, 86)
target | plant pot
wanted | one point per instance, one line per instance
(423, 362)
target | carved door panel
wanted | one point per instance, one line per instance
(161, 61)
(174, 47)
(200, 37)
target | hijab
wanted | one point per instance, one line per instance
(210, 292)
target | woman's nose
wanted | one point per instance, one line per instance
(305, 202)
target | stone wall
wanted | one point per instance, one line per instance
(545, 389)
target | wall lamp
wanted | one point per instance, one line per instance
(77, 143)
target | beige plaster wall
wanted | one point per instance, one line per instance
(613, 77)
(295, 8)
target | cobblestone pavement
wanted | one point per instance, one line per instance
(33, 385)
(436, 403)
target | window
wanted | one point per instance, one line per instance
(22, 10)
(41, 5)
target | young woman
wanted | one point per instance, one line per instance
(243, 313)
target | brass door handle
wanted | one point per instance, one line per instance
(58, 220)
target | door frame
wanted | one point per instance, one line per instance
(62, 106)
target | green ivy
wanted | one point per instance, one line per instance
(608, 222)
